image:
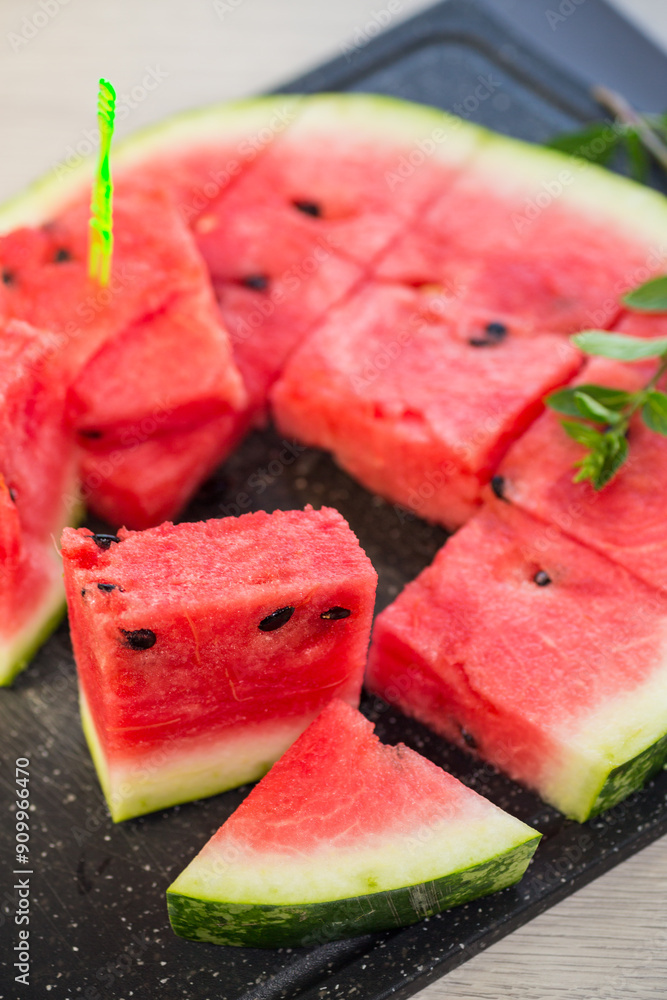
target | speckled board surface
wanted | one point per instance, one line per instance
(98, 926)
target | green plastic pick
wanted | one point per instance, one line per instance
(101, 206)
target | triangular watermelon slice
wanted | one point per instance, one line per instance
(542, 656)
(37, 475)
(203, 650)
(343, 836)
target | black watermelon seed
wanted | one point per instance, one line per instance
(140, 638)
(12, 494)
(541, 578)
(61, 255)
(93, 435)
(7, 277)
(276, 619)
(308, 208)
(105, 541)
(335, 614)
(107, 587)
(258, 282)
(468, 739)
(498, 487)
(83, 592)
(494, 333)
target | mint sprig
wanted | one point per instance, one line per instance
(598, 417)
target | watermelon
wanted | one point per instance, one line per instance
(331, 186)
(374, 385)
(203, 650)
(524, 233)
(625, 521)
(159, 305)
(37, 474)
(545, 658)
(343, 836)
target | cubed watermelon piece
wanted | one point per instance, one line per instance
(143, 357)
(545, 657)
(524, 233)
(625, 521)
(166, 466)
(417, 406)
(37, 492)
(344, 836)
(204, 649)
(298, 231)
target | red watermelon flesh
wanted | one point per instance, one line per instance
(298, 231)
(217, 644)
(492, 246)
(638, 324)
(37, 478)
(519, 642)
(342, 836)
(166, 466)
(624, 521)
(418, 407)
(156, 273)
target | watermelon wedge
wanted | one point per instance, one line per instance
(417, 406)
(625, 521)
(37, 475)
(343, 836)
(204, 649)
(543, 656)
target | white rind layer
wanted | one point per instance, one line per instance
(186, 770)
(534, 178)
(611, 735)
(262, 118)
(478, 832)
(16, 653)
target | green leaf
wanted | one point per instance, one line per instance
(601, 465)
(654, 411)
(563, 401)
(637, 156)
(582, 433)
(586, 144)
(589, 407)
(619, 346)
(615, 454)
(650, 297)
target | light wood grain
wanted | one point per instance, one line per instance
(607, 942)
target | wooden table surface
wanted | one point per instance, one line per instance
(608, 941)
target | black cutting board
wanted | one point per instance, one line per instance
(98, 925)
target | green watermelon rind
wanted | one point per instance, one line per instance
(261, 925)
(612, 198)
(375, 116)
(51, 193)
(630, 776)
